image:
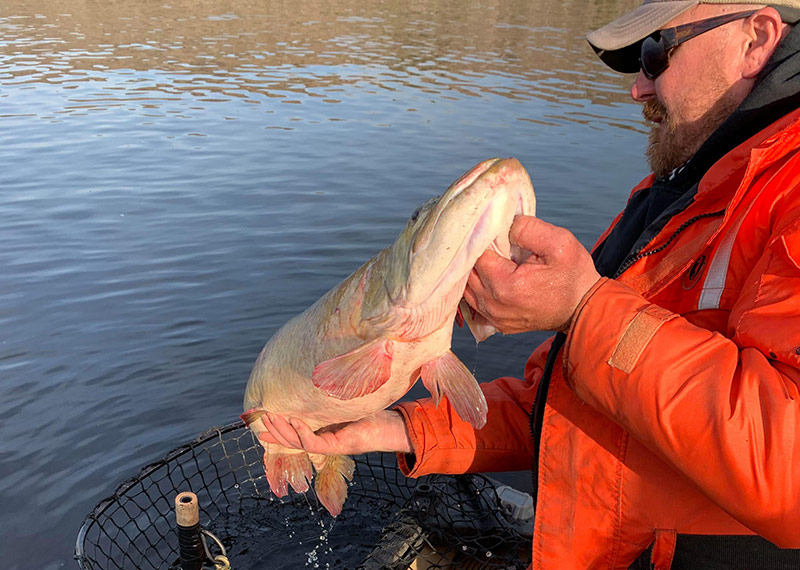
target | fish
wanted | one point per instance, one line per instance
(363, 344)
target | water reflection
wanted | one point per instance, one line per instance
(146, 55)
(179, 178)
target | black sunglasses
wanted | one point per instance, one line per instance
(656, 49)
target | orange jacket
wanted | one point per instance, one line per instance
(676, 405)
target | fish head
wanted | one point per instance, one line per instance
(434, 254)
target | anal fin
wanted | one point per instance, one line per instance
(355, 373)
(331, 482)
(285, 468)
(447, 376)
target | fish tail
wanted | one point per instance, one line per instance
(331, 482)
(285, 468)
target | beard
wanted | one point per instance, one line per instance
(672, 143)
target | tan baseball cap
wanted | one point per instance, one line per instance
(618, 43)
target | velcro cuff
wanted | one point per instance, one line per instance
(637, 335)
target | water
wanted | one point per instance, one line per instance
(178, 178)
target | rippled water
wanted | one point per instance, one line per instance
(178, 178)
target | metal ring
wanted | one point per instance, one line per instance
(208, 534)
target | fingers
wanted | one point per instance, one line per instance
(533, 234)
(267, 437)
(489, 269)
(280, 431)
(474, 290)
(308, 439)
(384, 431)
(491, 264)
(292, 433)
(472, 295)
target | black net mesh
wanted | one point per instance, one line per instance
(388, 521)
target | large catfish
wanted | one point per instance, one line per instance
(361, 346)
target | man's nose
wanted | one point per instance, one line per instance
(643, 88)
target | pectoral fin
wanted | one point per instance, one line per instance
(447, 376)
(356, 373)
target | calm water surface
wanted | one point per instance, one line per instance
(178, 178)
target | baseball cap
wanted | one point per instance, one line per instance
(618, 43)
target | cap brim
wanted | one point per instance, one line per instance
(618, 42)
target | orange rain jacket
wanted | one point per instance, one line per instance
(674, 406)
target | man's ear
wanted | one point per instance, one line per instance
(765, 31)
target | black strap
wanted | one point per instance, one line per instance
(725, 552)
(537, 412)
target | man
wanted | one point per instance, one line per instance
(665, 416)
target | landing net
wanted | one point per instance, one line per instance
(388, 522)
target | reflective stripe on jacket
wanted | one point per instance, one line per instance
(676, 405)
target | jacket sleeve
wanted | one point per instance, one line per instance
(444, 443)
(723, 411)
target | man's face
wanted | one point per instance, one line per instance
(692, 97)
(674, 138)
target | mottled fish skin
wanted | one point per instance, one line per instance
(364, 343)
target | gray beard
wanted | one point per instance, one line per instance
(672, 145)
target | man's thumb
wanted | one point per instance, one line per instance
(531, 233)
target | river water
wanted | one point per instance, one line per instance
(178, 178)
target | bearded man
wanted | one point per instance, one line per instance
(663, 420)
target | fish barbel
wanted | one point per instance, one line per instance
(364, 343)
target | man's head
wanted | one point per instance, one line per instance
(696, 63)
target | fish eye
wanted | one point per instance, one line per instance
(427, 204)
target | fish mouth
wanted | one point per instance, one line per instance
(464, 183)
(456, 189)
(501, 244)
(472, 216)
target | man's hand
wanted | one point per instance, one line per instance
(383, 431)
(542, 292)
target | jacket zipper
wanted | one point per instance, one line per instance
(638, 254)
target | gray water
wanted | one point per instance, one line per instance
(178, 178)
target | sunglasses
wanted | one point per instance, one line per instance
(656, 49)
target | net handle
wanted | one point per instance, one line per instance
(190, 545)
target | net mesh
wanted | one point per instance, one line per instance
(388, 521)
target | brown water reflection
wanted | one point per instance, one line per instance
(180, 177)
(258, 50)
